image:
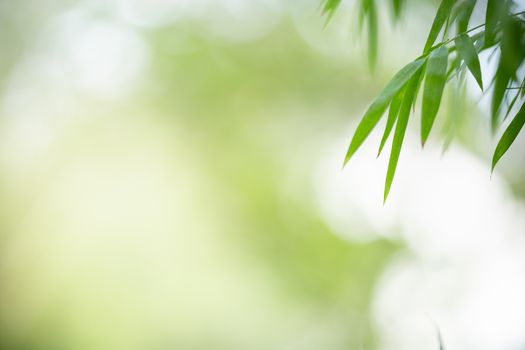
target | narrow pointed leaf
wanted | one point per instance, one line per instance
(456, 111)
(392, 117)
(372, 35)
(512, 56)
(468, 53)
(509, 136)
(463, 14)
(442, 14)
(397, 8)
(495, 11)
(501, 81)
(436, 78)
(329, 8)
(511, 105)
(399, 134)
(419, 82)
(379, 105)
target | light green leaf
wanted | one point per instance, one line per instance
(468, 53)
(379, 105)
(511, 105)
(397, 8)
(442, 14)
(501, 80)
(372, 35)
(436, 77)
(399, 134)
(509, 136)
(392, 117)
(329, 8)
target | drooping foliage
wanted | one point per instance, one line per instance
(502, 34)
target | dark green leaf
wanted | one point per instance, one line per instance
(467, 51)
(419, 82)
(442, 14)
(463, 12)
(433, 91)
(509, 136)
(399, 134)
(379, 105)
(392, 117)
(512, 56)
(495, 11)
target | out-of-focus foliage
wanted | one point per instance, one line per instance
(177, 215)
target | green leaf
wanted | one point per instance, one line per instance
(372, 35)
(379, 105)
(509, 136)
(494, 13)
(329, 8)
(456, 111)
(501, 81)
(511, 105)
(397, 8)
(419, 82)
(453, 68)
(392, 117)
(512, 56)
(399, 134)
(468, 53)
(368, 13)
(464, 12)
(436, 78)
(442, 14)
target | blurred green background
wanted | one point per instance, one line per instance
(157, 175)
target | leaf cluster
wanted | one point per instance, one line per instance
(503, 33)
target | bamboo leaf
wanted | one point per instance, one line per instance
(397, 8)
(511, 104)
(464, 12)
(419, 82)
(512, 56)
(329, 8)
(495, 11)
(372, 35)
(501, 81)
(468, 53)
(399, 134)
(379, 105)
(509, 136)
(392, 117)
(436, 77)
(442, 14)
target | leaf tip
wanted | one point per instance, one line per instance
(385, 195)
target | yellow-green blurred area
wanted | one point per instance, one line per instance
(166, 182)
